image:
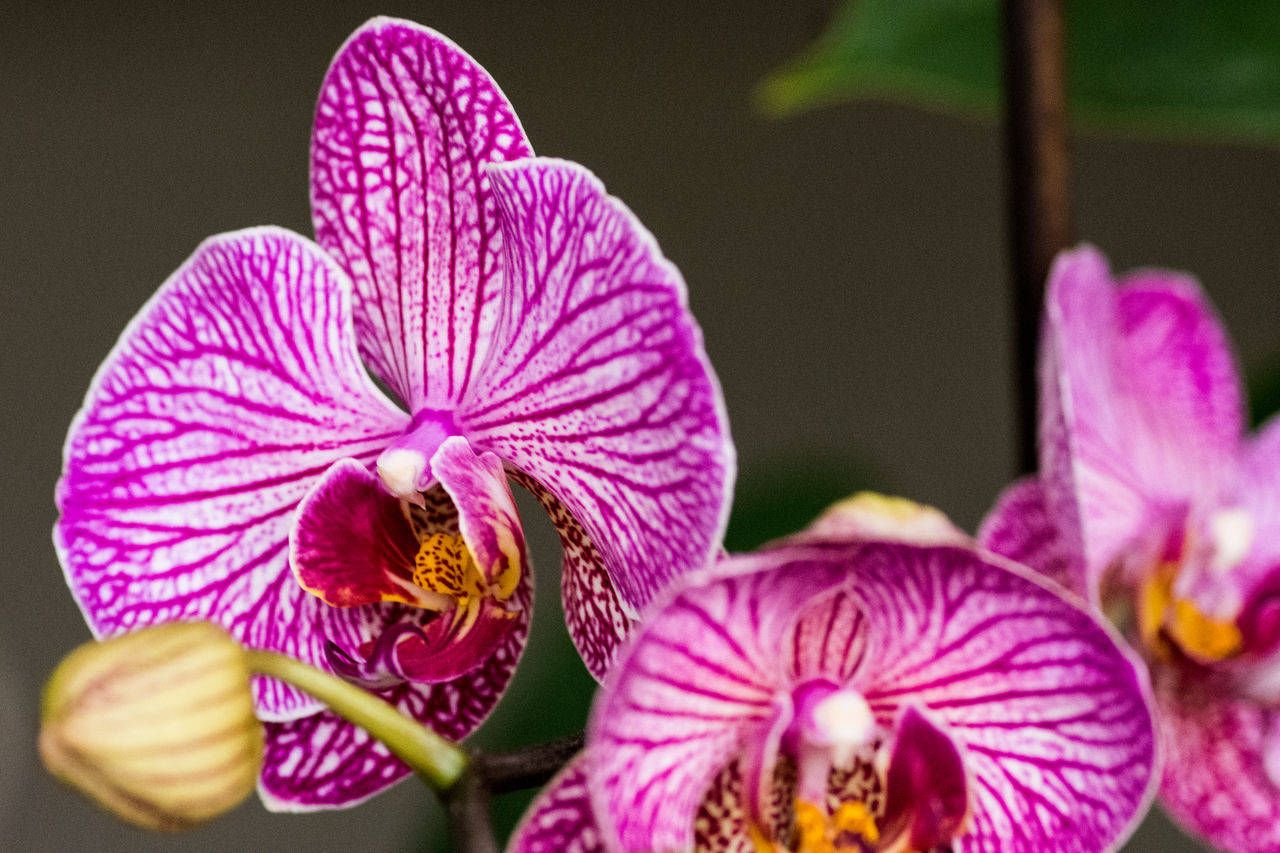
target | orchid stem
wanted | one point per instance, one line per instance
(528, 767)
(440, 763)
(468, 804)
(469, 800)
(1039, 178)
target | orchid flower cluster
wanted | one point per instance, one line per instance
(311, 444)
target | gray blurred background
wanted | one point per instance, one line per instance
(848, 269)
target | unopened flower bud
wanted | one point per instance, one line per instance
(157, 726)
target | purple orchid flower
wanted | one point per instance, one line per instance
(235, 462)
(1153, 503)
(838, 693)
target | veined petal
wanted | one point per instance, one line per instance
(1142, 382)
(1091, 486)
(1178, 362)
(1021, 527)
(597, 619)
(228, 395)
(1215, 781)
(1050, 710)
(323, 762)
(698, 682)
(405, 123)
(560, 819)
(829, 641)
(597, 385)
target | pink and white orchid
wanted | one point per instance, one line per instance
(1153, 502)
(235, 461)
(905, 692)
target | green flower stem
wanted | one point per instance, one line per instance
(435, 759)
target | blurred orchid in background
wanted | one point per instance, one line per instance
(876, 683)
(234, 461)
(1152, 502)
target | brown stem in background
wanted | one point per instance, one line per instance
(529, 767)
(1038, 181)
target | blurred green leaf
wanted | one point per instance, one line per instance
(782, 496)
(1264, 391)
(1161, 67)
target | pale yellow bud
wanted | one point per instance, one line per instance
(157, 725)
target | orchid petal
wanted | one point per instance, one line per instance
(829, 641)
(405, 123)
(596, 617)
(229, 394)
(1179, 363)
(1091, 488)
(1215, 780)
(560, 819)
(1049, 709)
(1141, 381)
(323, 762)
(699, 679)
(1021, 528)
(597, 385)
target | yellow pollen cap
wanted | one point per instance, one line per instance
(1202, 637)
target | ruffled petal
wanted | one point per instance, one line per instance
(597, 385)
(323, 762)
(560, 819)
(1021, 528)
(226, 398)
(597, 619)
(405, 124)
(1215, 780)
(1051, 712)
(1141, 381)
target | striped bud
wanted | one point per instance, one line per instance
(157, 725)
